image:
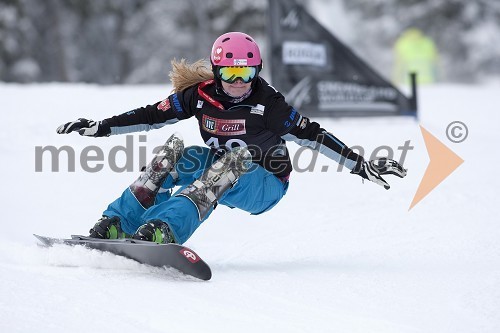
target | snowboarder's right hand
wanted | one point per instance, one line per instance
(86, 127)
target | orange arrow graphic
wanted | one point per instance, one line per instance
(443, 161)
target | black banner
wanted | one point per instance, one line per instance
(321, 76)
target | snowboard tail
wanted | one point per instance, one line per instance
(171, 255)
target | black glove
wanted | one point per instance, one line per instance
(86, 127)
(373, 170)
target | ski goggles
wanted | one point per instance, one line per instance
(230, 74)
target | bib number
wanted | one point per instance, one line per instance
(230, 144)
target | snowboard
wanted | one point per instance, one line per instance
(171, 255)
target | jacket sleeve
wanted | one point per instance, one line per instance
(287, 122)
(169, 111)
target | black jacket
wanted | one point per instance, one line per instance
(262, 122)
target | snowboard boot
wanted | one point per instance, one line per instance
(221, 176)
(146, 187)
(107, 228)
(155, 231)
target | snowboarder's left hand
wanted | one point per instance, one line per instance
(373, 170)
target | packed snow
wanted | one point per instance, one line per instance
(336, 255)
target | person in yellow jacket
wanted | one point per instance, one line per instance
(415, 52)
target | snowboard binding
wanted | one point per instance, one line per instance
(155, 231)
(107, 228)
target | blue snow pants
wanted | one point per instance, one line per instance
(256, 192)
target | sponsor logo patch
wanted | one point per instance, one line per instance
(224, 127)
(190, 255)
(303, 123)
(258, 109)
(209, 124)
(199, 105)
(217, 55)
(240, 62)
(164, 105)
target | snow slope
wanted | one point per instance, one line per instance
(336, 255)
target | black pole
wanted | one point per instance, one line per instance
(413, 98)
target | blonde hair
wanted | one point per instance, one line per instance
(184, 74)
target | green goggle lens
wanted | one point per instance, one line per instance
(232, 73)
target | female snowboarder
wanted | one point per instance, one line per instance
(244, 121)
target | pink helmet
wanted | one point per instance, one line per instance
(235, 49)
